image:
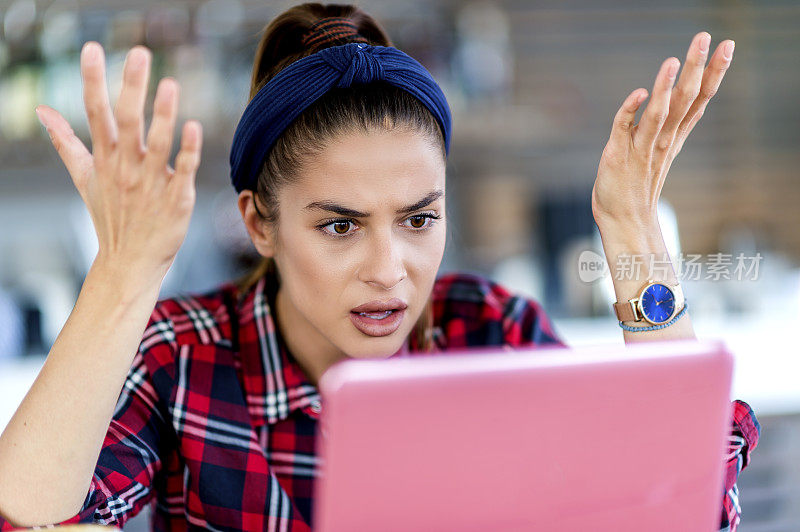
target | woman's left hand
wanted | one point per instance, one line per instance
(636, 159)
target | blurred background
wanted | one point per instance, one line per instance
(533, 86)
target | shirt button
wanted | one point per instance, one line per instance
(316, 406)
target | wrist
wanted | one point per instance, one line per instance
(656, 303)
(632, 235)
(631, 272)
(634, 259)
(625, 218)
(123, 282)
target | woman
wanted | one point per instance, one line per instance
(339, 161)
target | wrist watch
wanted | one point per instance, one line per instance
(656, 303)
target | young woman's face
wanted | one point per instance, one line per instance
(331, 262)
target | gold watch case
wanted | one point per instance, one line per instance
(636, 303)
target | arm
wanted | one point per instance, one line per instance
(49, 448)
(137, 440)
(629, 180)
(527, 324)
(742, 441)
(140, 208)
(634, 165)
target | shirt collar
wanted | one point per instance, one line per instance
(274, 383)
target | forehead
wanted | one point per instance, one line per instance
(376, 168)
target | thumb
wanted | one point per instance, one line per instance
(625, 117)
(73, 153)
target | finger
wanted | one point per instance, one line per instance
(625, 117)
(657, 109)
(686, 90)
(70, 149)
(129, 110)
(159, 137)
(95, 98)
(712, 77)
(186, 163)
(685, 129)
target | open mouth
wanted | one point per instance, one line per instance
(376, 315)
(380, 323)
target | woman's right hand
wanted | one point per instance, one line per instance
(140, 206)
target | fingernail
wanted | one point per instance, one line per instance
(729, 50)
(136, 57)
(89, 51)
(165, 88)
(39, 116)
(705, 41)
(673, 69)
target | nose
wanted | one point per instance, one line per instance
(383, 265)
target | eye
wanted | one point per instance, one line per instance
(340, 224)
(339, 227)
(422, 219)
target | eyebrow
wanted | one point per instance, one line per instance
(346, 211)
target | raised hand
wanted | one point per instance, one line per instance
(140, 206)
(636, 159)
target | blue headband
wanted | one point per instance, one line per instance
(303, 82)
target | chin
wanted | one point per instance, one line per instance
(369, 355)
(376, 347)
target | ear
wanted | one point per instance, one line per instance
(260, 231)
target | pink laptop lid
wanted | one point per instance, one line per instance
(604, 438)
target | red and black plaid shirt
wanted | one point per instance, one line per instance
(215, 424)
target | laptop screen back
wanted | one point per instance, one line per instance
(602, 438)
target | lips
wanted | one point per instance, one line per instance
(381, 306)
(383, 325)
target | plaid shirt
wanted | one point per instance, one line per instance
(215, 423)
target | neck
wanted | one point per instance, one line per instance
(301, 345)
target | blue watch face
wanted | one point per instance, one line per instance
(658, 303)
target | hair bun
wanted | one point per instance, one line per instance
(305, 29)
(331, 30)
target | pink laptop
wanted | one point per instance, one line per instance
(616, 438)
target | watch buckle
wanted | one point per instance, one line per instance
(634, 303)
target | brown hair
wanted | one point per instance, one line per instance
(360, 107)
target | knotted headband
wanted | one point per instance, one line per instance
(303, 82)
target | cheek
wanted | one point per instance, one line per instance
(424, 263)
(312, 272)
(432, 249)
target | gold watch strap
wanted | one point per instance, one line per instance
(625, 311)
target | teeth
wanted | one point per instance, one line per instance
(376, 315)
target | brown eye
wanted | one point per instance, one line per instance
(421, 221)
(344, 225)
